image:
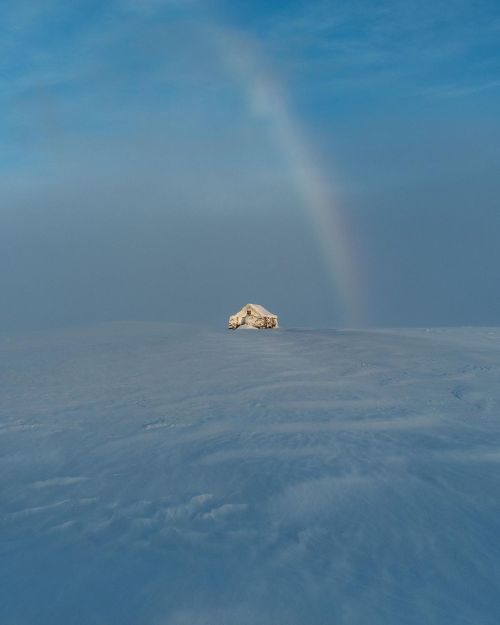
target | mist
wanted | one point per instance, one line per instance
(137, 183)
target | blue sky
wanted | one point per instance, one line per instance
(139, 180)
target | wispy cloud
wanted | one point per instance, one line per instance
(459, 91)
(353, 43)
(150, 7)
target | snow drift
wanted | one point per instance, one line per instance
(165, 475)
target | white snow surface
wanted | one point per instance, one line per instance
(156, 474)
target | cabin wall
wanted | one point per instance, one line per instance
(267, 322)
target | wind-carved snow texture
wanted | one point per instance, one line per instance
(162, 475)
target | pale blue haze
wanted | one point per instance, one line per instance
(134, 172)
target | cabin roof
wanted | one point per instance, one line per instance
(263, 312)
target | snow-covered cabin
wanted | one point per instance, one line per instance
(253, 317)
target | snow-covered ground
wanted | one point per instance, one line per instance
(164, 475)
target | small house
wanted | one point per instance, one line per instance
(253, 317)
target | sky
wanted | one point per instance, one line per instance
(337, 162)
